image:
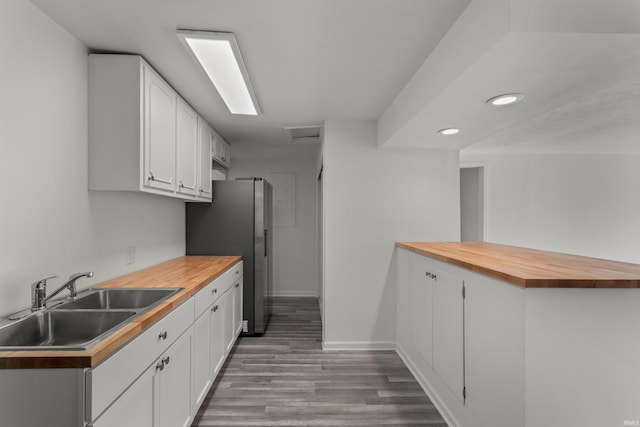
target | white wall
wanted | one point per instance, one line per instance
(294, 247)
(49, 222)
(372, 198)
(581, 203)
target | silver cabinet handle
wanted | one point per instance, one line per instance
(164, 181)
(215, 308)
(162, 335)
(237, 285)
(214, 290)
(166, 360)
(186, 186)
(160, 366)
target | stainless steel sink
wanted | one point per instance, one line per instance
(115, 299)
(68, 330)
(78, 324)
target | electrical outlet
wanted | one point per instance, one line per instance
(130, 255)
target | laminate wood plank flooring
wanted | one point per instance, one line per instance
(284, 378)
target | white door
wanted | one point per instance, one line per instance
(227, 303)
(134, 408)
(422, 283)
(237, 307)
(217, 337)
(174, 396)
(205, 138)
(448, 331)
(159, 133)
(201, 358)
(186, 148)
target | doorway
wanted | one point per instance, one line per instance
(472, 203)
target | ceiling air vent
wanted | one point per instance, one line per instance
(303, 134)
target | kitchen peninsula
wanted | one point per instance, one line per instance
(507, 336)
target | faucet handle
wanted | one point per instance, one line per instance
(42, 283)
(39, 293)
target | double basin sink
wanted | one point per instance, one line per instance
(79, 323)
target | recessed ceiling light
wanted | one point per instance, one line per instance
(219, 55)
(506, 99)
(449, 131)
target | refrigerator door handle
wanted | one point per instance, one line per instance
(265, 243)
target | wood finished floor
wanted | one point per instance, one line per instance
(283, 378)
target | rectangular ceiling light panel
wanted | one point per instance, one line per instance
(219, 55)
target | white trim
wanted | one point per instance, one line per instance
(358, 345)
(294, 293)
(449, 418)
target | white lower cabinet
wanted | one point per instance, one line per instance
(161, 396)
(158, 379)
(202, 377)
(214, 334)
(466, 349)
(135, 407)
(421, 288)
(448, 330)
(217, 344)
(173, 383)
(237, 306)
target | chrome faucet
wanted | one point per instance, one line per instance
(39, 296)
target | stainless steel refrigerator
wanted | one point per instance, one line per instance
(238, 222)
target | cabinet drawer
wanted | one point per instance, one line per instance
(108, 380)
(214, 290)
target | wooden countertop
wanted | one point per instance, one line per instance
(189, 272)
(531, 268)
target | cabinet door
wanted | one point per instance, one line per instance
(421, 283)
(217, 337)
(237, 308)
(174, 386)
(201, 358)
(226, 153)
(215, 146)
(448, 331)
(134, 408)
(229, 332)
(205, 137)
(186, 148)
(159, 133)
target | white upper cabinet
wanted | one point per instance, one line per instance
(221, 151)
(186, 148)
(159, 132)
(142, 135)
(205, 138)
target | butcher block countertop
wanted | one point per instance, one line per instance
(531, 268)
(189, 272)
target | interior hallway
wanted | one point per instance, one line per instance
(283, 378)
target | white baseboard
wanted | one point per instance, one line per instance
(294, 294)
(358, 345)
(424, 383)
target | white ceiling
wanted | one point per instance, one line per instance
(416, 66)
(309, 60)
(576, 61)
